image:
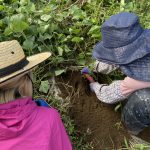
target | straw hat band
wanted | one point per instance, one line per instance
(7, 61)
(12, 57)
(14, 67)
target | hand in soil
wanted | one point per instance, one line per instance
(89, 78)
(85, 71)
(86, 86)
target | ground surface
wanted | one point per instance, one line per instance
(100, 121)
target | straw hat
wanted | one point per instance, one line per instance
(14, 63)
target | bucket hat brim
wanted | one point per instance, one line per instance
(126, 54)
(34, 60)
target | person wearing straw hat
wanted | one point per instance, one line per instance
(24, 124)
(125, 45)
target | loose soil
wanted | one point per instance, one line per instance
(98, 120)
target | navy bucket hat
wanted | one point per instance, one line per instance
(124, 41)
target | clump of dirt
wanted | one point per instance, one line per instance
(100, 121)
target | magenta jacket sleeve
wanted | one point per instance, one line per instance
(60, 140)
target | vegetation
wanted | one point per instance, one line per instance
(66, 28)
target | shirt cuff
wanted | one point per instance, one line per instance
(95, 87)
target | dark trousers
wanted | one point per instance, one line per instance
(136, 112)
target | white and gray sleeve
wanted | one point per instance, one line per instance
(108, 93)
(104, 68)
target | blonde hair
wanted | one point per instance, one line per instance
(20, 87)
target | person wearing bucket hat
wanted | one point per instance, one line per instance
(26, 123)
(125, 45)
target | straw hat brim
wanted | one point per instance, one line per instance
(34, 60)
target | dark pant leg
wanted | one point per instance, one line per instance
(136, 112)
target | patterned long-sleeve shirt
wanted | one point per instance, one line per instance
(117, 90)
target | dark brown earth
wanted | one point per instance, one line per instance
(100, 121)
(145, 135)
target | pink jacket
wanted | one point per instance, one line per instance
(26, 126)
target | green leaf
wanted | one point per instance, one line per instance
(53, 27)
(7, 31)
(59, 72)
(59, 17)
(77, 12)
(94, 30)
(74, 9)
(126, 143)
(27, 7)
(17, 23)
(43, 28)
(41, 48)
(19, 26)
(77, 39)
(28, 44)
(66, 48)
(23, 2)
(74, 31)
(44, 87)
(122, 4)
(31, 7)
(1, 7)
(59, 60)
(60, 51)
(96, 35)
(33, 29)
(129, 6)
(81, 62)
(45, 17)
(1, 23)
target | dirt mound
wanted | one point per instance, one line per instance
(100, 121)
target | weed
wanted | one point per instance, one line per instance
(118, 125)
